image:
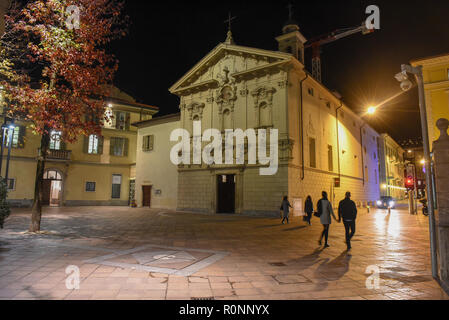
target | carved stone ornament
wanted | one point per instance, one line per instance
(226, 95)
(285, 149)
(263, 94)
(195, 109)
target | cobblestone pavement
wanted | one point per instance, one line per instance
(125, 253)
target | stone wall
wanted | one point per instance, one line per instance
(441, 157)
(316, 181)
(254, 195)
(262, 195)
(195, 191)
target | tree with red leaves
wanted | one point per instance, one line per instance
(55, 70)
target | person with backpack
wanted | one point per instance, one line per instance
(325, 211)
(285, 207)
(308, 209)
(347, 210)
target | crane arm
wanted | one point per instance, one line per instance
(338, 34)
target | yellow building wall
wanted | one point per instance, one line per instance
(436, 86)
(81, 167)
(78, 174)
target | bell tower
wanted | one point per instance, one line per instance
(292, 41)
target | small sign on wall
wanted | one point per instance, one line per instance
(297, 207)
(336, 182)
(158, 192)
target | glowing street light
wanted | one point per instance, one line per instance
(371, 110)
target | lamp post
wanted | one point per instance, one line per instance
(11, 128)
(406, 85)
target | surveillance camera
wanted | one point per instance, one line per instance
(406, 85)
(401, 76)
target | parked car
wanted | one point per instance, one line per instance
(386, 202)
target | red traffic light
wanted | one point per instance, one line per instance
(410, 183)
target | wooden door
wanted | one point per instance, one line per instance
(146, 196)
(46, 187)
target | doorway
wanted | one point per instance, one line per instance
(52, 188)
(146, 196)
(226, 193)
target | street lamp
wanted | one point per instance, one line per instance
(406, 85)
(11, 128)
(371, 110)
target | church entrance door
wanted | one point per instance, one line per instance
(226, 193)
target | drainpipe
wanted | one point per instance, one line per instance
(338, 138)
(302, 125)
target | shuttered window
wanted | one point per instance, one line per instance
(15, 137)
(147, 143)
(93, 144)
(119, 147)
(122, 120)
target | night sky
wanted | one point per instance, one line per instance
(167, 38)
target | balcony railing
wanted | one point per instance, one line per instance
(61, 155)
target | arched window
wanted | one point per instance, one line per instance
(52, 175)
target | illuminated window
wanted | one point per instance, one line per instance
(15, 137)
(55, 140)
(93, 144)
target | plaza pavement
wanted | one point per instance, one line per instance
(138, 253)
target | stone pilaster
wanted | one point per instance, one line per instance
(441, 158)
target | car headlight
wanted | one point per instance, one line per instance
(379, 203)
(391, 203)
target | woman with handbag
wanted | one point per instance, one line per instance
(325, 211)
(308, 209)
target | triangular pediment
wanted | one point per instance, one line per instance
(224, 60)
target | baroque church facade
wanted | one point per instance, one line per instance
(323, 145)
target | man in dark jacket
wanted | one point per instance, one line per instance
(347, 211)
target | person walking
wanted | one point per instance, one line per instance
(308, 209)
(286, 208)
(347, 210)
(325, 211)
